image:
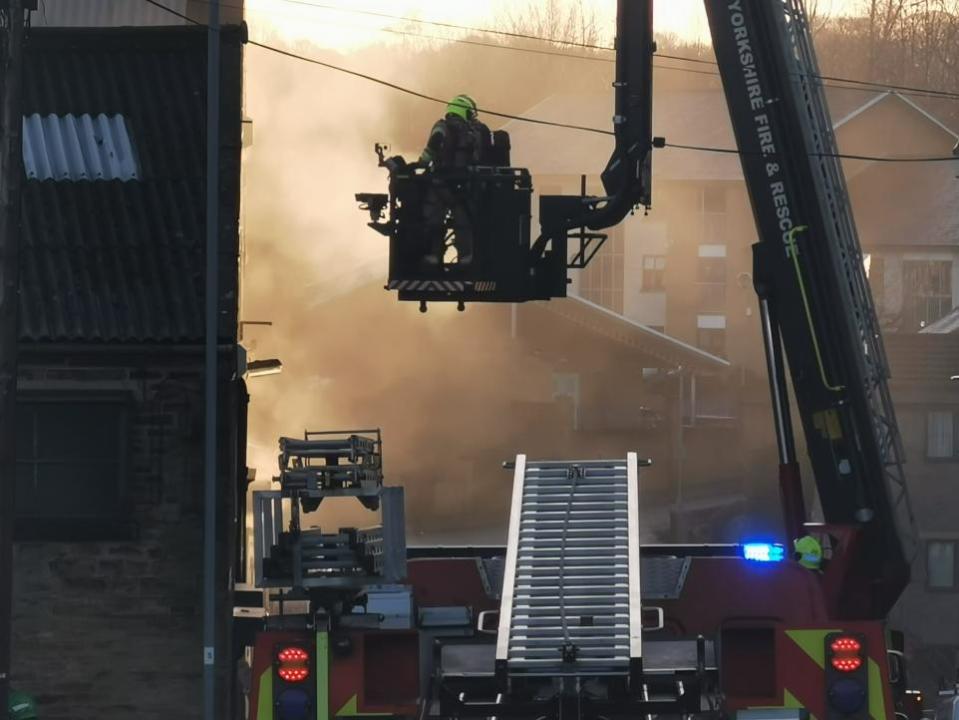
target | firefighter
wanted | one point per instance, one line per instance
(457, 141)
(808, 552)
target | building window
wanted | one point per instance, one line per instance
(927, 292)
(942, 429)
(602, 280)
(654, 270)
(711, 277)
(71, 463)
(711, 334)
(941, 564)
(713, 212)
(711, 265)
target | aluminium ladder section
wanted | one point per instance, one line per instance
(571, 590)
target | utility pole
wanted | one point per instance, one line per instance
(11, 158)
(211, 373)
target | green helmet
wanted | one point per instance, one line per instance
(462, 106)
(809, 552)
(22, 706)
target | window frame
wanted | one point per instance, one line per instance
(115, 526)
(913, 302)
(954, 458)
(954, 588)
(602, 281)
(658, 272)
(713, 217)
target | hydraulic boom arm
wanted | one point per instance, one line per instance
(814, 293)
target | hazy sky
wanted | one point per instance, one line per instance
(345, 29)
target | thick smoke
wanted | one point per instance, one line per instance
(454, 393)
(444, 387)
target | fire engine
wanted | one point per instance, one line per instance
(573, 618)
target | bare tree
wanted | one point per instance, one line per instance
(564, 21)
(900, 42)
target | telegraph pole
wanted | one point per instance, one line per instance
(212, 336)
(11, 158)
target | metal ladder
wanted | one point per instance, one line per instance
(571, 590)
(831, 187)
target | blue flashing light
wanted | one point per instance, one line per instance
(764, 552)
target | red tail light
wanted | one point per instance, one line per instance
(294, 664)
(846, 655)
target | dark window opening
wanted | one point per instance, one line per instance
(71, 463)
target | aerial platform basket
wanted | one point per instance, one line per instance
(490, 203)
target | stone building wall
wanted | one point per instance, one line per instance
(112, 629)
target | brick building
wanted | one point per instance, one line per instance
(107, 593)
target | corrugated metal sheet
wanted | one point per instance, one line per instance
(110, 262)
(122, 261)
(78, 147)
(105, 13)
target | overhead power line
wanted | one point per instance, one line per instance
(452, 26)
(850, 83)
(520, 118)
(838, 156)
(511, 48)
(385, 83)
(590, 46)
(593, 58)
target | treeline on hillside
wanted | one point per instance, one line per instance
(896, 42)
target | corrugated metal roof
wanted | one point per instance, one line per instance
(78, 147)
(629, 333)
(924, 358)
(105, 13)
(109, 261)
(122, 261)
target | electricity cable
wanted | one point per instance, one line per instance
(868, 85)
(591, 46)
(534, 121)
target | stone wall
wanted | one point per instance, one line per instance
(107, 630)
